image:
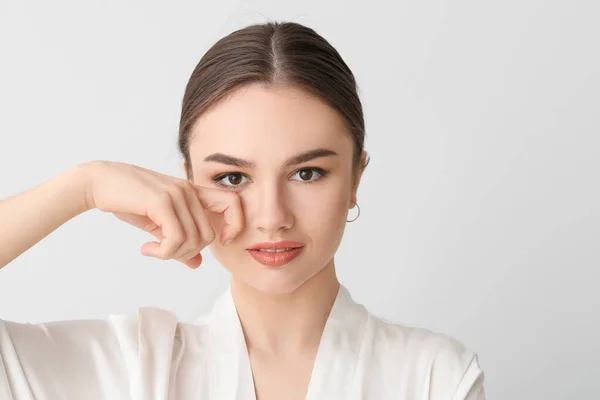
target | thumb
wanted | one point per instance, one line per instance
(150, 249)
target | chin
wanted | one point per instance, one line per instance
(276, 286)
(270, 281)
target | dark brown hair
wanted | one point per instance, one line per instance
(283, 53)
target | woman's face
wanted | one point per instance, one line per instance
(283, 198)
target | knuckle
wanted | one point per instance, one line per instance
(208, 236)
(193, 241)
(178, 192)
(200, 216)
(178, 236)
(187, 185)
(163, 199)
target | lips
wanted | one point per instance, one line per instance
(275, 254)
(275, 259)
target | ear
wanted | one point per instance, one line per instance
(363, 164)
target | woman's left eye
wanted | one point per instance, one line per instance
(308, 174)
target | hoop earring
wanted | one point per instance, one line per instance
(352, 220)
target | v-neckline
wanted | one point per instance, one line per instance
(335, 363)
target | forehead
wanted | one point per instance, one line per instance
(272, 121)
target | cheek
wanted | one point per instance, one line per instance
(322, 211)
(322, 216)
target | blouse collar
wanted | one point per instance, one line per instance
(335, 363)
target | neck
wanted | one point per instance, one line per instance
(286, 324)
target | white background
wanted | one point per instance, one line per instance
(480, 208)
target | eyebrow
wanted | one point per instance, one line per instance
(298, 159)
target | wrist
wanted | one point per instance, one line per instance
(82, 178)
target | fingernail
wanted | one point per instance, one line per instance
(227, 242)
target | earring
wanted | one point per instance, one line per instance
(352, 220)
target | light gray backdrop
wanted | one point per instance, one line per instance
(480, 208)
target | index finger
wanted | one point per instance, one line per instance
(227, 203)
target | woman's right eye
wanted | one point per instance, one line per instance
(230, 181)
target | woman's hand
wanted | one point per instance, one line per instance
(173, 210)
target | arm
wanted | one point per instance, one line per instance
(173, 210)
(28, 217)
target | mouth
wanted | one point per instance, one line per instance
(275, 254)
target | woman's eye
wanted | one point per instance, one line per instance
(231, 180)
(310, 174)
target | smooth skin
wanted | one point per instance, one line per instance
(282, 310)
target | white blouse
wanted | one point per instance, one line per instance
(151, 355)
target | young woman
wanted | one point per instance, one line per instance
(271, 136)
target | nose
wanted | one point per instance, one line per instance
(272, 211)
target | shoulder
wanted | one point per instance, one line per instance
(104, 356)
(79, 358)
(439, 363)
(126, 331)
(149, 322)
(156, 327)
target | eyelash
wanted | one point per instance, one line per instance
(219, 178)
